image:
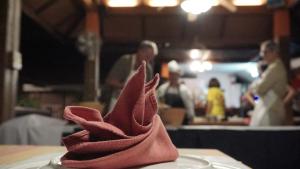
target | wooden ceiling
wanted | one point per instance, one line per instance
(216, 29)
(61, 18)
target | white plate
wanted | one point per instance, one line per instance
(183, 162)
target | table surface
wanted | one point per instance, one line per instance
(12, 154)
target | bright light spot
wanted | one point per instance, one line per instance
(207, 65)
(195, 54)
(122, 3)
(191, 17)
(197, 6)
(249, 2)
(253, 72)
(196, 66)
(162, 3)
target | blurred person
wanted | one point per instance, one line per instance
(270, 88)
(250, 95)
(125, 67)
(253, 99)
(176, 94)
(296, 86)
(215, 106)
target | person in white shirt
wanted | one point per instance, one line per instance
(271, 89)
(176, 94)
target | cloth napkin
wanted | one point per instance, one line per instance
(131, 135)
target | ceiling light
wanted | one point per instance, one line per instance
(122, 3)
(195, 54)
(162, 3)
(249, 2)
(196, 66)
(207, 65)
(197, 6)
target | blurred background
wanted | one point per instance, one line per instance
(56, 53)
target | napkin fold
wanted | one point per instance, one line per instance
(131, 135)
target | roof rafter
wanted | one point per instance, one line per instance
(45, 6)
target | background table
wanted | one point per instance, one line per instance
(11, 155)
(229, 122)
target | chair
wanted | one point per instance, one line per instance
(172, 116)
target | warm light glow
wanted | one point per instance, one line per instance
(195, 54)
(207, 65)
(122, 3)
(198, 6)
(196, 66)
(199, 66)
(162, 3)
(249, 2)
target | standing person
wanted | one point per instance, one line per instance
(177, 94)
(125, 67)
(215, 107)
(250, 95)
(271, 88)
(296, 87)
(258, 104)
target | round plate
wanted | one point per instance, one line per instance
(183, 162)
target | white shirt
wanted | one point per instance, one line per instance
(185, 94)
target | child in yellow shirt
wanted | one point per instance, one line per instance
(215, 101)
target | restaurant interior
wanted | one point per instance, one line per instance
(56, 54)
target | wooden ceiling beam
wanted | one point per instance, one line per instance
(74, 24)
(69, 19)
(205, 43)
(45, 26)
(90, 4)
(65, 20)
(45, 6)
(218, 10)
(79, 5)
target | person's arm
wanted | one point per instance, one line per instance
(223, 103)
(266, 82)
(249, 98)
(290, 94)
(114, 78)
(149, 72)
(161, 92)
(208, 107)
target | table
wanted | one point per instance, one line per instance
(235, 122)
(12, 154)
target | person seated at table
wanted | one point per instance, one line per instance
(175, 93)
(215, 108)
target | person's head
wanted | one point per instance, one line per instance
(147, 50)
(213, 82)
(269, 50)
(174, 72)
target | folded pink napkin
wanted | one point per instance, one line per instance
(131, 135)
